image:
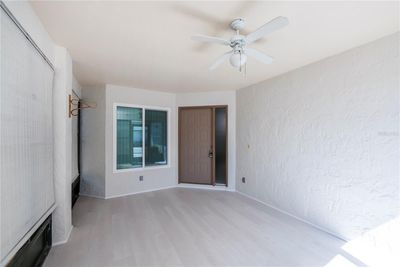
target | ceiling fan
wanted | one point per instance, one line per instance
(238, 55)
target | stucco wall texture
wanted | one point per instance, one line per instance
(322, 142)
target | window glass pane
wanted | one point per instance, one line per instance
(156, 137)
(129, 138)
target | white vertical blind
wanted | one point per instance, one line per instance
(26, 135)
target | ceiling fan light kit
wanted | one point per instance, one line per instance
(238, 59)
(239, 53)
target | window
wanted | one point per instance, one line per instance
(141, 137)
(129, 138)
(156, 137)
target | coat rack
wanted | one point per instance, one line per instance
(76, 104)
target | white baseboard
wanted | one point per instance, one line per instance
(140, 192)
(89, 195)
(193, 186)
(204, 186)
(294, 216)
(65, 240)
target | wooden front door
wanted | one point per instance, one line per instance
(196, 145)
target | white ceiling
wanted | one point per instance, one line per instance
(147, 44)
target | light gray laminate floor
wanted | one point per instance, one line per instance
(180, 226)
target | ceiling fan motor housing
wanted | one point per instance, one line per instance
(238, 40)
(238, 24)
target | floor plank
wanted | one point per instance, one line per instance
(189, 227)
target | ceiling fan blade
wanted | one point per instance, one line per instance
(259, 55)
(273, 25)
(220, 60)
(210, 39)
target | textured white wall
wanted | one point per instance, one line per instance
(93, 143)
(122, 183)
(62, 224)
(322, 142)
(218, 98)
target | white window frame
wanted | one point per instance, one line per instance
(143, 168)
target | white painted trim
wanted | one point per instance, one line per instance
(88, 195)
(144, 191)
(204, 186)
(294, 216)
(28, 235)
(143, 168)
(190, 186)
(73, 180)
(65, 240)
(143, 139)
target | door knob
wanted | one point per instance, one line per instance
(210, 154)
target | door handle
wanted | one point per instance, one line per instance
(210, 154)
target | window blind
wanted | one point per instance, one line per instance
(26, 135)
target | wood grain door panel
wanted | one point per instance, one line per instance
(196, 139)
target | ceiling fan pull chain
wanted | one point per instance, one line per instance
(240, 60)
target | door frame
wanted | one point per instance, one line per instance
(212, 107)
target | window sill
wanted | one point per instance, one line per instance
(143, 169)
